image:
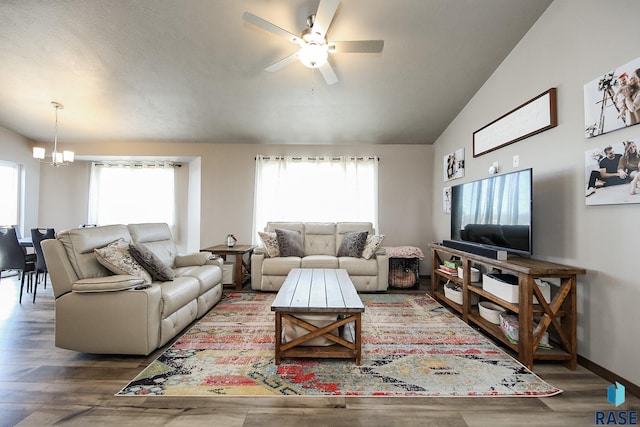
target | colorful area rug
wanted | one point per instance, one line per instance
(412, 346)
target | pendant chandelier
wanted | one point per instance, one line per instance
(57, 158)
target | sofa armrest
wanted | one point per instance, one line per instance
(194, 259)
(260, 250)
(383, 271)
(256, 270)
(117, 282)
(216, 260)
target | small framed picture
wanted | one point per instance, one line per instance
(446, 200)
(454, 165)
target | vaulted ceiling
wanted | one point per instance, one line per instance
(193, 70)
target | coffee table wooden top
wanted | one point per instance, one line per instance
(317, 290)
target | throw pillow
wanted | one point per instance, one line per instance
(117, 259)
(352, 244)
(372, 245)
(290, 243)
(150, 262)
(270, 243)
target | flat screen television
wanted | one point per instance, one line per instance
(495, 212)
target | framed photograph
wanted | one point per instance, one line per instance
(612, 101)
(610, 174)
(446, 200)
(454, 165)
(532, 117)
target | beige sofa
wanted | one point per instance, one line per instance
(321, 243)
(97, 311)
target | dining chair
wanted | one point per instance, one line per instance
(12, 257)
(37, 236)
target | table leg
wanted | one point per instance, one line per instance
(278, 335)
(239, 272)
(358, 337)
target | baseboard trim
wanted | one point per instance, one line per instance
(630, 387)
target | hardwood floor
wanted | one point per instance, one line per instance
(43, 385)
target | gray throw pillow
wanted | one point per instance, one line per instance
(150, 262)
(352, 244)
(290, 243)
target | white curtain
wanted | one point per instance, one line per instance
(315, 189)
(10, 179)
(127, 193)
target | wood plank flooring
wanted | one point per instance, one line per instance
(43, 385)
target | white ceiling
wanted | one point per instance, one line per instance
(193, 70)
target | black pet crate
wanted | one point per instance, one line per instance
(404, 272)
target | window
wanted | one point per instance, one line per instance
(10, 206)
(126, 193)
(315, 189)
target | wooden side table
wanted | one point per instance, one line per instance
(240, 264)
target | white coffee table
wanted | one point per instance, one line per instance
(318, 291)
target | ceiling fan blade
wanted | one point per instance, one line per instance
(328, 74)
(266, 25)
(324, 16)
(360, 46)
(282, 63)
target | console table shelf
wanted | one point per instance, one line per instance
(557, 316)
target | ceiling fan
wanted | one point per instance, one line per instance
(314, 47)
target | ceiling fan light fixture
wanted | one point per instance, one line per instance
(313, 55)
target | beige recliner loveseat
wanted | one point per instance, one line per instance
(321, 241)
(97, 311)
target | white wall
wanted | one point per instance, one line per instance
(574, 42)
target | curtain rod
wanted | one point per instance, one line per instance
(130, 164)
(320, 158)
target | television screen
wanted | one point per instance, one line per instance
(494, 212)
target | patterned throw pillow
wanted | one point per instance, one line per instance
(372, 245)
(353, 244)
(290, 243)
(150, 262)
(270, 242)
(117, 259)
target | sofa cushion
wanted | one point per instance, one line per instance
(359, 266)
(270, 243)
(207, 276)
(290, 243)
(157, 238)
(352, 244)
(320, 238)
(117, 258)
(372, 245)
(319, 261)
(178, 293)
(150, 262)
(280, 266)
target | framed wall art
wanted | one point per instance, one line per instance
(532, 117)
(454, 165)
(446, 200)
(612, 101)
(610, 174)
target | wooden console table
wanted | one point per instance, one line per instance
(558, 316)
(239, 251)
